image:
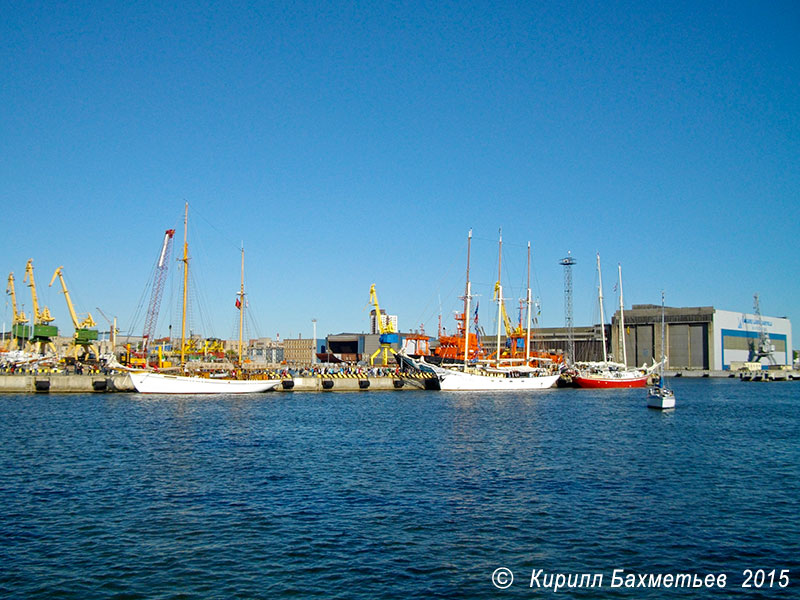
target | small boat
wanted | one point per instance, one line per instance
(659, 396)
(149, 382)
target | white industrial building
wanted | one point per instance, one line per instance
(703, 337)
(738, 335)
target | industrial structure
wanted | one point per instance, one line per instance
(704, 337)
(387, 329)
(20, 331)
(83, 340)
(157, 290)
(567, 263)
(43, 332)
(385, 320)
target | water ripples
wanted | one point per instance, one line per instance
(392, 495)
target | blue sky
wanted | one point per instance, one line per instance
(352, 143)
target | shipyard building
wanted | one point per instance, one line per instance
(702, 337)
(697, 338)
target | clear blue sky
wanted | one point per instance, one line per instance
(352, 143)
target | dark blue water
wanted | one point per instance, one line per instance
(396, 495)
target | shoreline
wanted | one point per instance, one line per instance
(45, 382)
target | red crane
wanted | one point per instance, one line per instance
(162, 267)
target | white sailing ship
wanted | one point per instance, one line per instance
(150, 382)
(609, 374)
(487, 379)
(500, 376)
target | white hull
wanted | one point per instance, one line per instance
(159, 383)
(459, 381)
(512, 380)
(660, 398)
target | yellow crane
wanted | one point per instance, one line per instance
(43, 332)
(20, 332)
(84, 336)
(506, 321)
(514, 335)
(388, 335)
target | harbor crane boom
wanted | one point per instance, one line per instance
(162, 267)
(765, 347)
(515, 336)
(43, 332)
(88, 321)
(510, 329)
(388, 335)
(383, 326)
(112, 328)
(16, 316)
(84, 335)
(19, 331)
(39, 316)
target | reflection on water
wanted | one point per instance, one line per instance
(397, 494)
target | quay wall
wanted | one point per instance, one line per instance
(326, 383)
(63, 383)
(763, 375)
(98, 383)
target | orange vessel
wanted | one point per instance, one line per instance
(452, 347)
(514, 351)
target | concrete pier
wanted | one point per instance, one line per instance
(332, 383)
(28, 383)
(762, 375)
(61, 383)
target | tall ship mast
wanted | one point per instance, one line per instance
(467, 298)
(622, 320)
(602, 314)
(499, 294)
(149, 382)
(185, 261)
(608, 374)
(240, 304)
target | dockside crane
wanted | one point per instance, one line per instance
(515, 336)
(765, 347)
(112, 329)
(162, 268)
(510, 329)
(388, 335)
(20, 332)
(84, 337)
(43, 332)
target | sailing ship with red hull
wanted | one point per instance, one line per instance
(606, 374)
(610, 379)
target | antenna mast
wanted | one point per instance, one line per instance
(567, 264)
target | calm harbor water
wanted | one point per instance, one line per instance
(396, 495)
